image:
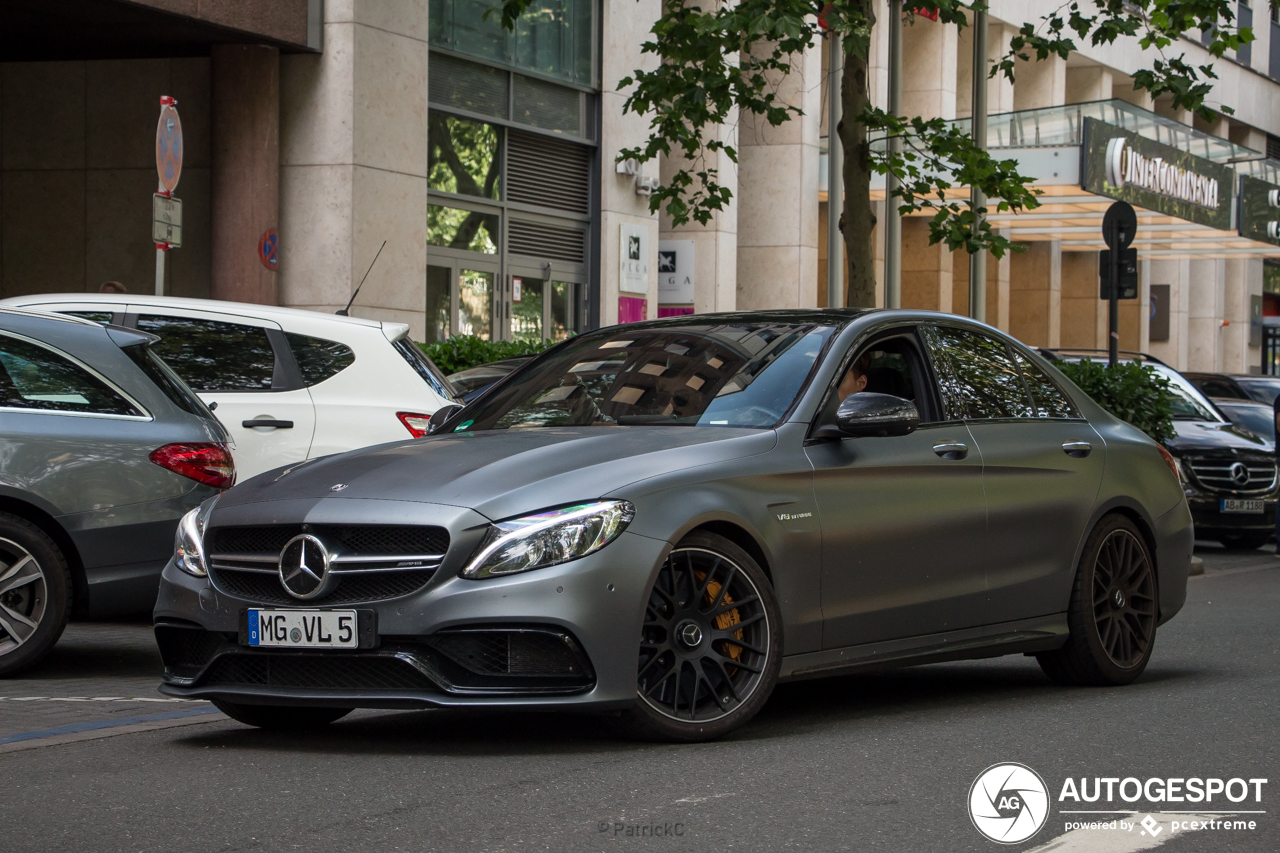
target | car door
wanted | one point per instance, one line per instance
(1042, 467)
(244, 366)
(903, 518)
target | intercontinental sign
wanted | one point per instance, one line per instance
(1122, 165)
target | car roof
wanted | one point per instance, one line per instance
(47, 315)
(245, 308)
(1082, 352)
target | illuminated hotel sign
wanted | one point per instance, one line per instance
(1259, 210)
(1122, 165)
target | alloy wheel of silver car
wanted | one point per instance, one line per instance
(1124, 604)
(24, 595)
(705, 640)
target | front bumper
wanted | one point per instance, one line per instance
(596, 602)
(1209, 518)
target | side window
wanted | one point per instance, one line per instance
(425, 367)
(319, 359)
(1049, 400)
(890, 366)
(213, 356)
(976, 375)
(103, 317)
(36, 378)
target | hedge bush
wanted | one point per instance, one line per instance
(462, 351)
(1133, 392)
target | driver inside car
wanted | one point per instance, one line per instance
(855, 380)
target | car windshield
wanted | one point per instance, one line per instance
(735, 375)
(1262, 390)
(1256, 419)
(1188, 403)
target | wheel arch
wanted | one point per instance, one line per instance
(738, 535)
(43, 519)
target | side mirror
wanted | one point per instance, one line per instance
(440, 415)
(871, 414)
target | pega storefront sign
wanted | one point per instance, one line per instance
(1122, 165)
(1259, 210)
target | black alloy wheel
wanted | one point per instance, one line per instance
(1113, 611)
(710, 643)
(35, 588)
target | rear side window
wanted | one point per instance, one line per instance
(167, 381)
(319, 359)
(1048, 397)
(103, 317)
(1217, 388)
(425, 367)
(34, 377)
(211, 355)
(977, 376)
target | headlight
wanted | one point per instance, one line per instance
(549, 538)
(188, 542)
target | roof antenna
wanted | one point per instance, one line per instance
(343, 312)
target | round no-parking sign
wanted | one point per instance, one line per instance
(269, 249)
(169, 145)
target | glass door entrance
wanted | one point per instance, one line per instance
(461, 299)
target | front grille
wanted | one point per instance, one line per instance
(371, 562)
(1216, 473)
(512, 652)
(315, 672)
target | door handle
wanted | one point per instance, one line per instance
(266, 422)
(951, 450)
(1078, 449)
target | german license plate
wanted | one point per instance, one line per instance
(1239, 505)
(304, 629)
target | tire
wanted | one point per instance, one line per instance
(1249, 540)
(280, 717)
(711, 644)
(1113, 611)
(35, 594)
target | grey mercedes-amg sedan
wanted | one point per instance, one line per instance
(662, 520)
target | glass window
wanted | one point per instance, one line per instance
(425, 367)
(475, 303)
(1049, 400)
(564, 317)
(319, 359)
(438, 322)
(463, 156)
(526, 309)
(1258, 420)
(977, 377)
(213, 356)
(1262, 390)
(552, 37)
(33, 377)
(462, 229)
(743, 375)
(1187, 401)
(103, 317)
(178, 392)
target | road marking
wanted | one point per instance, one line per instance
(94, 699)
(1119, 841)
(105, 728)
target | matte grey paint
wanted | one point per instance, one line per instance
(864, 574)
(93, 474)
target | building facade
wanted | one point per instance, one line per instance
(480, 168)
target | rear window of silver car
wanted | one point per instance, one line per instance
(741, 375)
(35, 377)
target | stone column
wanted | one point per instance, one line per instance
(1040, 83)
(926, 270)
(1241, 275)
(1173, 273)
(1079, 325)
(353, 165)
(1035, 294)
(1204, 322)
(778, 197)
(1087, 83)
(245, 119)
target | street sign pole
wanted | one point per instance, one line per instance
(977, 198)
(1118, 227)
(893, 219)
(169, 170)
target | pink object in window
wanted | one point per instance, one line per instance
(632, 309)
(674, 310)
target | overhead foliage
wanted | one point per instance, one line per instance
(728, 57)
(1133, 392)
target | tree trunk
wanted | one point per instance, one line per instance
(858, 217)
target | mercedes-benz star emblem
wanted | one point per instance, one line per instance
(1239, 473)
(304, 568)
(337, 487)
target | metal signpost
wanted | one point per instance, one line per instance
(166, 211)
(1118, 227)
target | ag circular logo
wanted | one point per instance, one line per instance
(1008, 803)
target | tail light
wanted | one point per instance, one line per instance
(1170, 461)
(415, 423)
(206, 463)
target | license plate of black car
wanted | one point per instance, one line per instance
(1240, 505)
(304, 629)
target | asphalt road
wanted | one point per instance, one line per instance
(90, 761)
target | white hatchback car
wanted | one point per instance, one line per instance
(288, 385)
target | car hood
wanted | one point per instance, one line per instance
(1195, 436)
(502, 473)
